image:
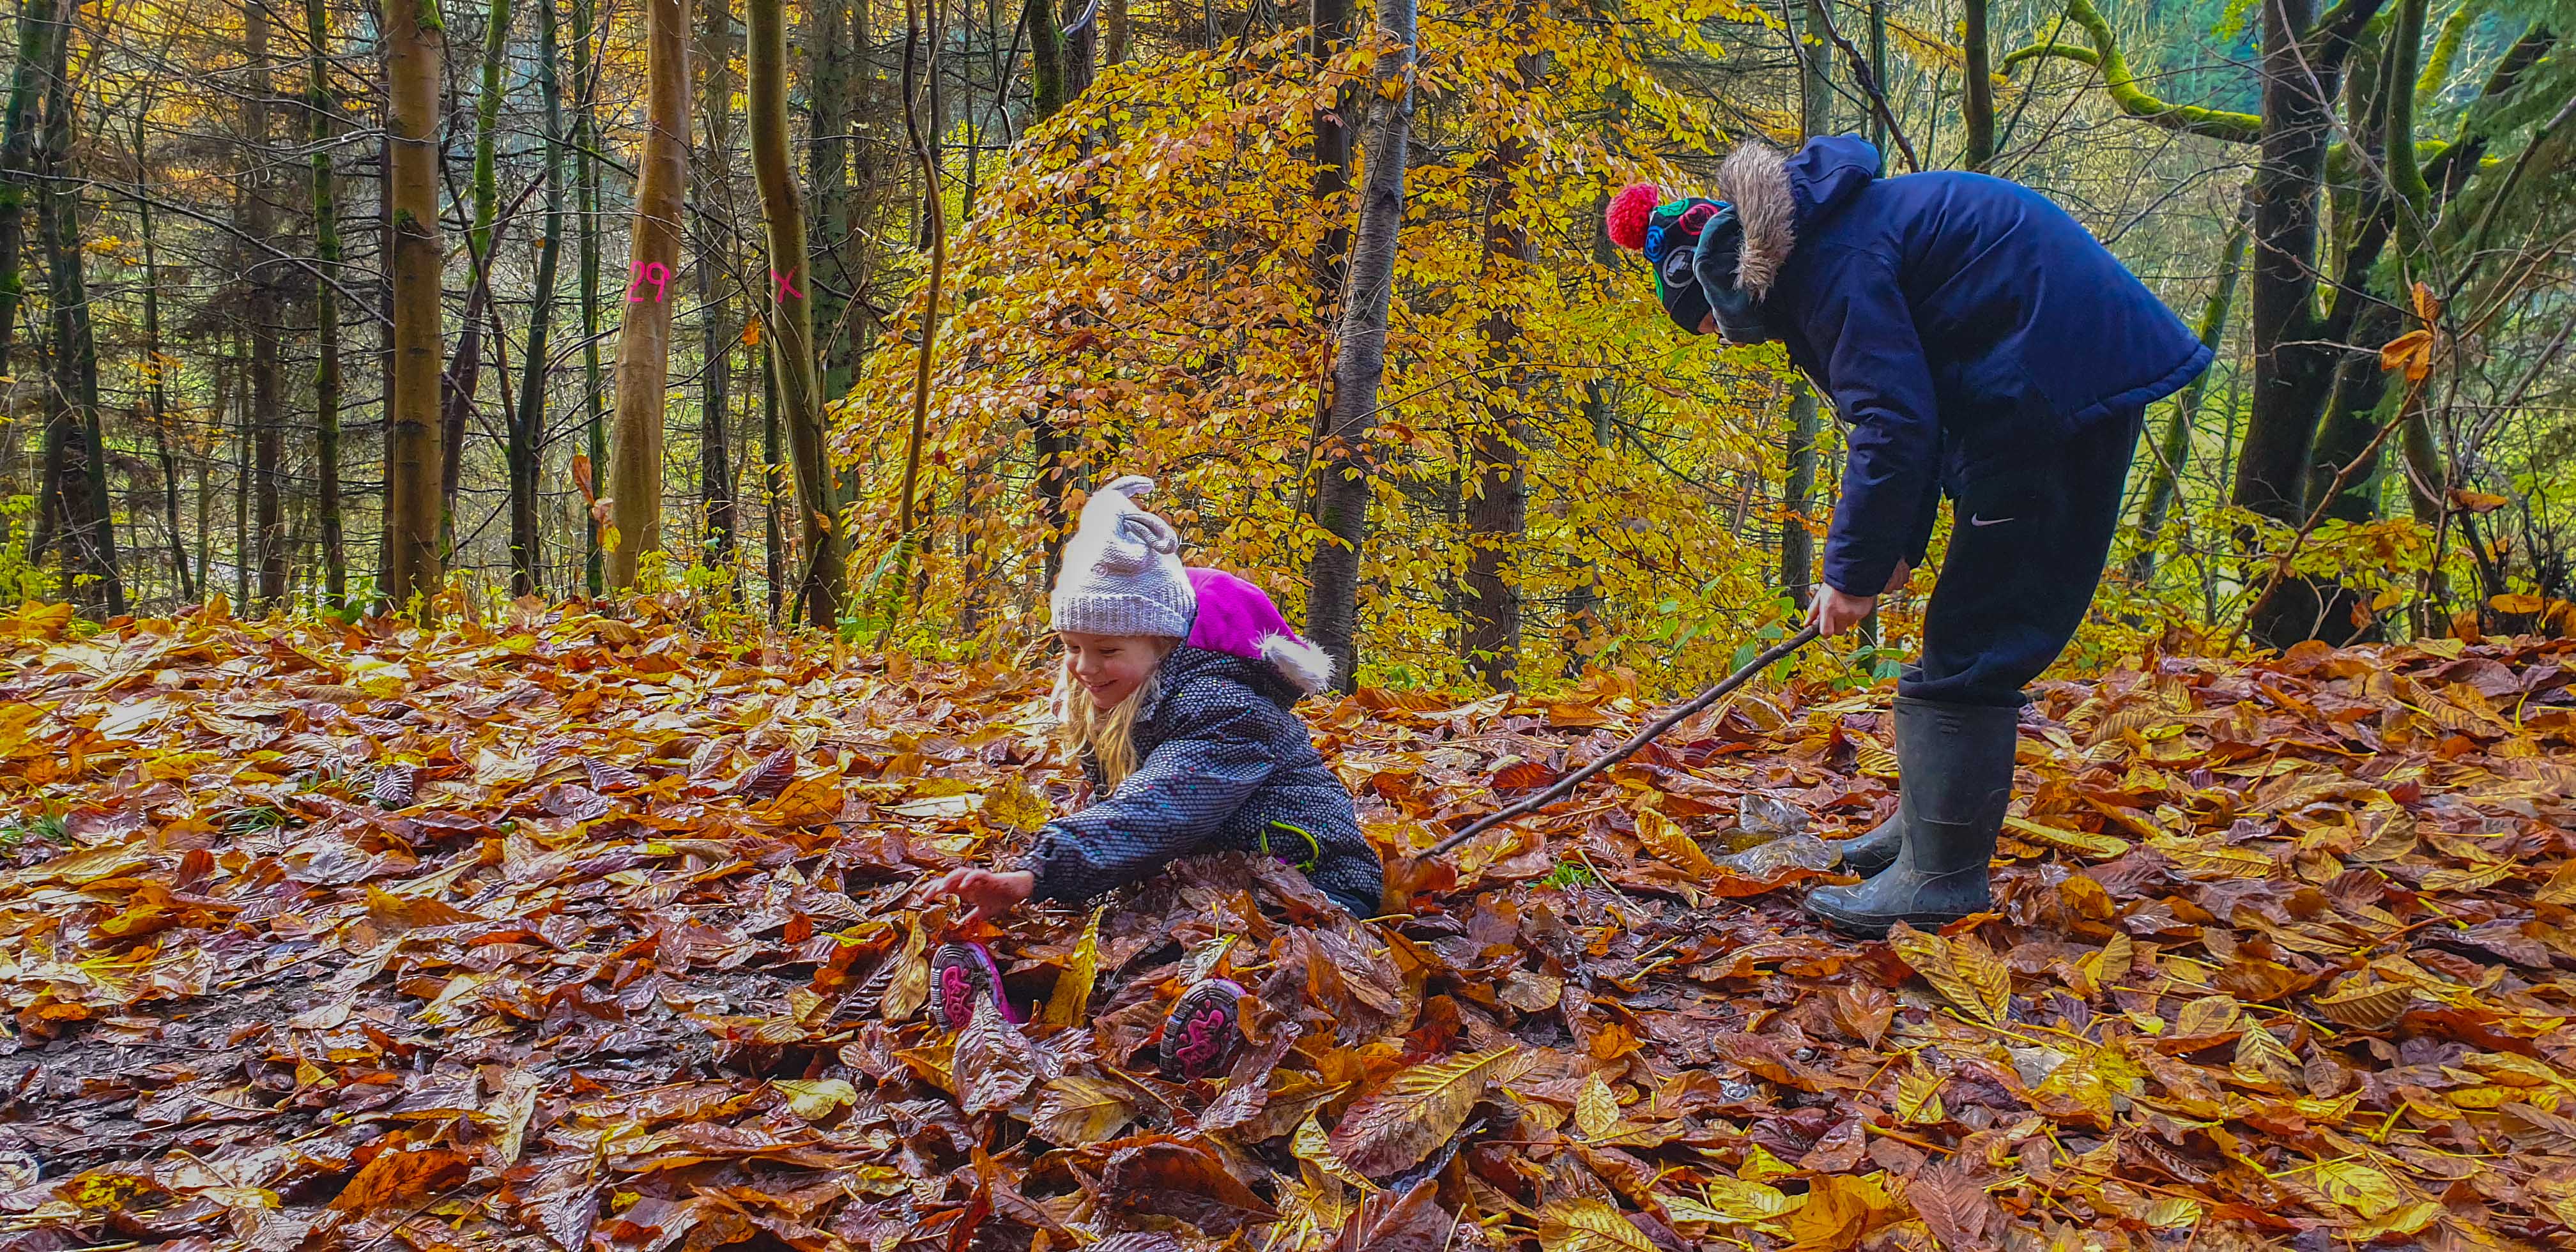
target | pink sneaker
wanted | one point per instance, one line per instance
(959, 973)
(1203, 1031)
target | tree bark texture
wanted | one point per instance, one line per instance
(263, 310)
(717, 332)
(1977, 106)
(77, 470)
(585, 143)
(644, 338)
(39, 28)
(528, 417)
(1347, 455)
(1497, 505)
(327, 382)
(415, 46)
(791, 322)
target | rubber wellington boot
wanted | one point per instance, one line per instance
(1876, 850)
(1954, 766)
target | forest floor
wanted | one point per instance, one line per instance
(565, 931)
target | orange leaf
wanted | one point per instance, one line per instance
(2427, 309)
(581, 477)
(397, 1179)
(2412, 352)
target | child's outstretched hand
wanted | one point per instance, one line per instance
(985, 893)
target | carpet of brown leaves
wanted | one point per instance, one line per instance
(570, 932)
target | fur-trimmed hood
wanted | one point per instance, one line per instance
(1780, 196)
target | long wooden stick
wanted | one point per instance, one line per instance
(1565, 786)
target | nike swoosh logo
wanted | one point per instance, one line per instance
(1988, 521)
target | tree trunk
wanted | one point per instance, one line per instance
(716, 332)
(1047, 92)
(771, 485)
(243, 431)
(263, 310)
(1348, 452)
(2293, 363)
(2290, 368)
(86, 513)
(644, 338)
(1328, 40)
(2164, 475)
(1081, 50)
(465, 369)
(1497, 504)
(585, 145)
(528, 419)
(326, 307)
(1977, 107)
(1798, 488)
(38, 30)
(156, 368)
(415, 44)
(831, 81)
(791, 317)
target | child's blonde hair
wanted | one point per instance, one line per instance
(1108, 734)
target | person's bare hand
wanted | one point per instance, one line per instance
(1897, 577)
(984, 893)
(1834, 611)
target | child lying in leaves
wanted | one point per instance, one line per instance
(1176, 693)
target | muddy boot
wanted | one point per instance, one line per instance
(1955, 773)
(1876, 850)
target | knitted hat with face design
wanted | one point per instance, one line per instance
(1667, 231)
(1687, 241)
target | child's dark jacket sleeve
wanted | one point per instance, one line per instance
(1216, 756)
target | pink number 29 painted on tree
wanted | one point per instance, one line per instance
(653, 272)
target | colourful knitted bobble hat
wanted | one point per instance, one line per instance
(1667, 231)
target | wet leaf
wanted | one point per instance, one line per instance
(1395, 1126)
(1077, 1111)
(1073, 983)
(1965, 972)
(1589, 1226)
(995, 1063)
(400, 1178)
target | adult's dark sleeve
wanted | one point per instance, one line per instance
(1882, 388)
(1173, 805)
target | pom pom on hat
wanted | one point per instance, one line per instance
(1626, 217)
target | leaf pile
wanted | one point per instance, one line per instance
(573, 932)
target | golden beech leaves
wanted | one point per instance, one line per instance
(1672, 845)
(607, 932)
(1395, 1126)
(1589, 1226)
(1966, 972)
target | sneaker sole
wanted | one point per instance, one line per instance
(953, 1006)
(1202, 1032)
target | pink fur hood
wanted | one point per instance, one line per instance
(1238, 618)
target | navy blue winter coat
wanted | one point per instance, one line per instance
(1223, 764)
(1963, 325)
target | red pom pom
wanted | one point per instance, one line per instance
(1626, 218)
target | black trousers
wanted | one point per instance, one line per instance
(2027, 547)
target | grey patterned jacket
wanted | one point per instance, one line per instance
(1223, 764)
